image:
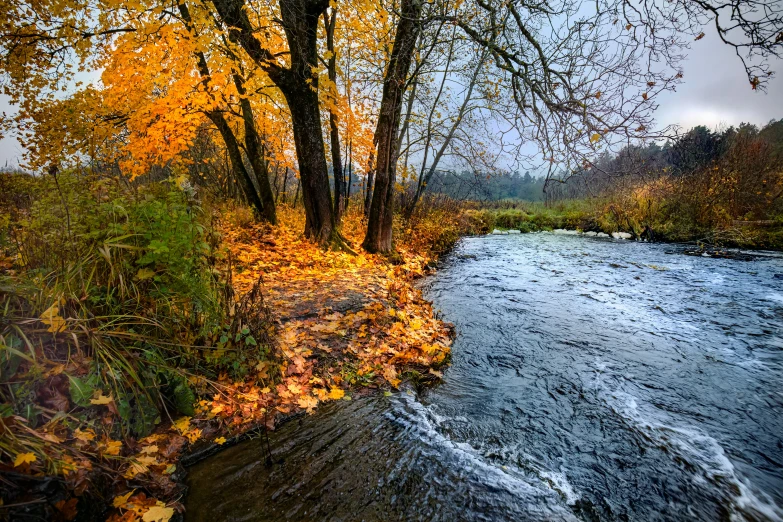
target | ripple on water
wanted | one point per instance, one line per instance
(627, 384)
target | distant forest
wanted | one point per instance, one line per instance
(750, 148)
(746, 155)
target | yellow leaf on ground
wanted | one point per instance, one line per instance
(193, 435)
(101, 399)
(24, 458)
(135, 468)
(147, 460)
(220, 440)
(308, 402)
(336, 393)
(121, 500)
(182, 424)
(390, 374)
(51, 318)
(84, 436)
(112, 447)
(159, 513)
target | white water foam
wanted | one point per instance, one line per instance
(704, 451)
(778, 298)
(560, 483)
(509, 478)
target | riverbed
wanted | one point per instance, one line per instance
(592, 379)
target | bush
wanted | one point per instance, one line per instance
(113, 294)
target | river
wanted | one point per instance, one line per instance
(592, 379)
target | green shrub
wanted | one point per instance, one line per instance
(117, 290)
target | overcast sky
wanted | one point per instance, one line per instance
(715, 92)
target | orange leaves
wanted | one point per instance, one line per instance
(134, 507)
(23, 459)
(343, 319)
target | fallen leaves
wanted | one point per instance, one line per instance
(342, 321)
(158, 513)
(24, 458)
(51, 317)
(137, 506)
(101, 399)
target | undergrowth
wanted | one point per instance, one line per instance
(116, 313)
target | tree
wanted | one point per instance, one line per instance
(578, 83)
(379, 225)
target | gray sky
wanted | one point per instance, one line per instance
(715, 92)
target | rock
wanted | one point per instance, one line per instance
(591, 234)
(566, 232)
(601, 234)
(499, 232)
(622, 235)
(777, 276)
(513, 232)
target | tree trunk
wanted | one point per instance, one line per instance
(350, 173)
(300, 87)
(237, 165)
(232, 147)
(334, 135)
(369, 186)
(256, 154)
(277, 185)
(379, 226)
(285, 184)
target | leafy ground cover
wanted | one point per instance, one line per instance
(139, 323)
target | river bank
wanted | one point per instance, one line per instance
(591, 380)
(294, 327)
(610, 215)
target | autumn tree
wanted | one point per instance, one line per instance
(576, 82)
(379, 225)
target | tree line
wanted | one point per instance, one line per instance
(246, 93)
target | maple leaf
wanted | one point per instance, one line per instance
(135, 468)
(84, 436)
(51, 318)
(220, 440)
(67, 508)
(336, 393)
(101, 399)
(308, 402)
(182, 424)
(390, 374)
(121, 500)
(595, 138)
(24, 458)
(111, 447)
(158, 513)
(147, 460)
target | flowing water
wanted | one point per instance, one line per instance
(591, 380)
